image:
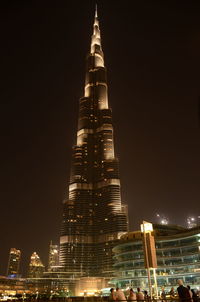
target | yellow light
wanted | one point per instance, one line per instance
(146, 227)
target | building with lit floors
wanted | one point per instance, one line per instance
(53, 256)
(94, 216)
(13, 263)
(36, 268)
(178, 257)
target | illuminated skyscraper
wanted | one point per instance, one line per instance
(53, 256)
(94, 216)
(13, 262)
(36, 268)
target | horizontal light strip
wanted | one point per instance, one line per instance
(95, 84)
(90, 239)
(85, 131)
(104, 127)
(90, 186)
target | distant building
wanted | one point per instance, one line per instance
(178, 257)
(13, 262)
(36, 268)
(53, 256)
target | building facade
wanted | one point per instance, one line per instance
(14, 262)
(53, 256)
(178, 257)
(12, 286)
(36, 267)
(94, 216)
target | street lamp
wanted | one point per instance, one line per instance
(150, 259)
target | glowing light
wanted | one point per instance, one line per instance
(191, 222)
(162, 219)
(146, 227)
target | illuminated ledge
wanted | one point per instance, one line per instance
(90, 131)
(76, 238)
(105, 127)
(90, 239)
(96, 84)
(83, 186)
(90, 186)
(85, 131)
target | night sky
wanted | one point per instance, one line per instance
(152, 53)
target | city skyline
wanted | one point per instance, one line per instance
(153, 77)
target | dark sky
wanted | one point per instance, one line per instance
(152, 52)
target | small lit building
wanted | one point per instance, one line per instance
(36, 268)
(178, 257)
(14, 262)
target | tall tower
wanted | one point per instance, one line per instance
(14, 262)
(94, 216)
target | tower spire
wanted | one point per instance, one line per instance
(96, 37)
(96, 15)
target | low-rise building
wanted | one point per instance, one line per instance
(178, 257)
